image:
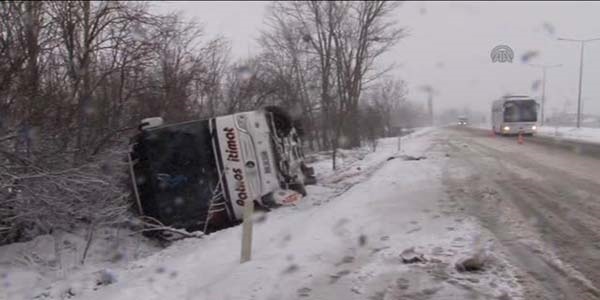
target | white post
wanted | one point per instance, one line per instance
(247, 231)
(400, 140)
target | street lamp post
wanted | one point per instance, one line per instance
(582, 45)
(430, 91)
(543, 102)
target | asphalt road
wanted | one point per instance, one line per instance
(540, 201)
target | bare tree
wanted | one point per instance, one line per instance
(74, 77)
(247, 86)
(217, 53)
(87, 30)
(363, 36)
(288, 57)
(345, 39)
(387, 97)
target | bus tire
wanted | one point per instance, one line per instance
(309, 174)
(298, 187)
(283, 121)
(268, 202)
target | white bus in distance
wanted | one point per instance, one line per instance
(512, 115)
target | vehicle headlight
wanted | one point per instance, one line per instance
(242, 123)
(533, 127)
(506, 128)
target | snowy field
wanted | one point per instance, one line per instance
(346, 240)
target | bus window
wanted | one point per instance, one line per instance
(520, 111)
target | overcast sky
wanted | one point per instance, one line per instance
(449, 47)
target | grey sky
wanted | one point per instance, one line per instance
(449, 47)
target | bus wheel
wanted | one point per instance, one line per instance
(309, 174)
(298, 187)
(282, 120)
(267, 202)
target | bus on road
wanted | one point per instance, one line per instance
(514, 114)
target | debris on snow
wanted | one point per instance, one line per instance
(334, 278)
(106, 277)
(407, 157)
(410, 256)
(345, 260)
(362, 240)
(471, 264)
(291, 269)
(304, 292)
(413, 230)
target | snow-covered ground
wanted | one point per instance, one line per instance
(343, 241)
(481, 126)
(583, 134)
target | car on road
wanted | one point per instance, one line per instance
(463, 121)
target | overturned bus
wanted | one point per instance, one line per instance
(197, 175)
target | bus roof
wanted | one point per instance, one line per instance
(500, 102)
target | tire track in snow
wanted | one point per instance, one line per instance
(531, 201)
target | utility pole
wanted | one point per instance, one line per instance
(582, 45)
(543, 102)
(430, 91)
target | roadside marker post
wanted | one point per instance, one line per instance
(400, 140)
(246, 253)
(248, 221)
(399, 143)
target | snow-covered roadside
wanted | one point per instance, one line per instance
(50, 266)
(573, 133)
(485, 126)
(585, 134)
(341, 242)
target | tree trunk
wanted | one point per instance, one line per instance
(33, 106)
(84, 93)
(351, 132)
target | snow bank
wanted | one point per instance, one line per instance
(50, 266)
(481, 126)
(582, 134)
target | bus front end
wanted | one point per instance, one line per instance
(519, 117)
(514, 128)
